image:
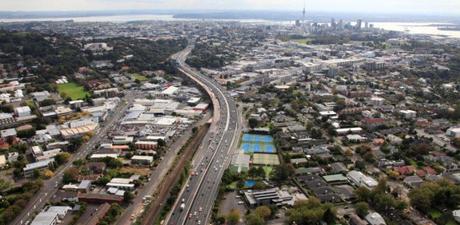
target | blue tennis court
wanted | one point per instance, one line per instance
(254, 143)
(257, 138)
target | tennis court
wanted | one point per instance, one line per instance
(265, 159)
(253, 143)
(257, 138)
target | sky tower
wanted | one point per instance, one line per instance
(303, 12)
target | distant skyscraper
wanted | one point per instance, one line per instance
(340, 24)
(359, 24)
(333, 24)
(303, 12)
(366, 25)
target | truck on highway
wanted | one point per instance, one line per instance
(182, 206)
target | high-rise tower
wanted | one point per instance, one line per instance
(303, 12)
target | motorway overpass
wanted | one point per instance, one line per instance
(201, 188)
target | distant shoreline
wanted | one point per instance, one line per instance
(232, 15)
(412, 27)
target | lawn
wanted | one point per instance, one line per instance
(268, 170)
(304, 41)
(135, 170)
(72, 90)
(435, 214)
(139, 77)
(232, 186)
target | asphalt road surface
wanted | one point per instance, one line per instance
(50, 186)
(201, 188)
(135, 209)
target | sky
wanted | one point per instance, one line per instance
(440, 7)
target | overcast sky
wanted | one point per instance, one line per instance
(441, 7)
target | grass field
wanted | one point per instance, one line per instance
(435, 214)
(268, 170)
(304, 41)
(265, 159)
(139, 77)
(232, 186)
(135, 170)
(72, 90)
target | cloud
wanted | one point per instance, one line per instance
(417, 6)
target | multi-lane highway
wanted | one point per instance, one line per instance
(195, 201)
(51, 186)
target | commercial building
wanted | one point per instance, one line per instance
(2, 161)
(6, 119)
(22, 111)
(40, 165)
(61, 211)
(122, 140)
(375, 218)
(121, 183)
(408, 114)
(353, 130)
(453, 132)
(359, 179)
(146, 145)
(99, 156)
(273, 196)
(79, 131)
(99, 198)
(46, 218)
(142, 160)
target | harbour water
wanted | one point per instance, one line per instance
(411, 28)
(418, 28)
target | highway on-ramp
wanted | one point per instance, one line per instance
(196, 200)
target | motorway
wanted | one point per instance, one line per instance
(214, 154)
(50, 186)
(134, 210)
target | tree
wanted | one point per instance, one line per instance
(4, 185)
(310, 212)
(26, 133)
(456, 142)
(441, 194)
(259, 185)
(252, 171)
(253, 123)
(369, 157)
(362, 209)
(316, 133)
(128, 196)
(254, 219)
(70, 175)
(263, 212)
(282, 172)
(47, 173)
(62, 158)
(112, 163)
(363, 194)
(233, 217)
(161, 143)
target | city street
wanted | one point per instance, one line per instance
(50, 186)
